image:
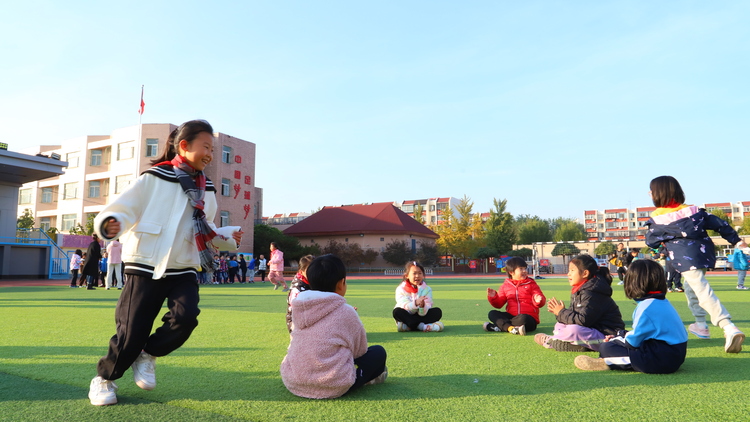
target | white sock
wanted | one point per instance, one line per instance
(421, 326)
(701, 324)
(729, 326)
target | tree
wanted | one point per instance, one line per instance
(486, 252)
(605, 248)
(498, 230)
(568, 230)
(525, 253)
(26, 220)
(264, 234)
(397, 252)
(533, 229)
(369, 256)
(87, 230)
(745, 228)
(427, 254)
(456, 230)
(418, 213)
(565, 249)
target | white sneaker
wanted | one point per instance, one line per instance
(401, 327)
(102, 392)
(434, 327)
(742, 288)
(144, 373)
(735, 337)
(620, 283)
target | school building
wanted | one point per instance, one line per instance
(620, 224)
(100, 167)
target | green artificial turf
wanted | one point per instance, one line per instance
(52, 337)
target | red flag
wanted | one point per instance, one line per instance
(143, 104)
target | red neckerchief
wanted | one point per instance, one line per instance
(672, 204)
(578, 286)
(302, 277)
(409, 287)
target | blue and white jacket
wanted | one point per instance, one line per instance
(655, 318)
(684, 233)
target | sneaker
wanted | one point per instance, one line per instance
(519, 330)
(276, 287)
(735, 337)
(144, 369)
(488, 326)
(102, 392)
(541, 339)
(587, 363)
(286, 289)
(679, 290)
(620, 283)
(401, 327)
(435, 326)
(379, 379)
(698, 331)
(566, 346)
(742, 288)
(670, 290)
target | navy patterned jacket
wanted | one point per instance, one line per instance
(684, 233)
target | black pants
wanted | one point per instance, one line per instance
(412, 320)
(139, 305)
(621, 273)
(262, 275)
(243, 277)
(75, 278)
(369, 366)
(233, 274)
(505, 320)
(674, 277)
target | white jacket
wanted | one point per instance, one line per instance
(156, 222)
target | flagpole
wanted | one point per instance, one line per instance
(140, 135)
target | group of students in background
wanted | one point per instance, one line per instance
(98, 269)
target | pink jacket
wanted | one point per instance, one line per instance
(519, 295)
(114, 252)
(277, 261)
(326, 339)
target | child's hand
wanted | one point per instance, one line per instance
(537, 298)
(111, 227)
(419, 301)
(491, 292)
(237, 236)
(608, 337)
(555, 306)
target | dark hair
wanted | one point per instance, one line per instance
(587, 263)
(305, 261)
(275, 246)
(666, 189)
(644, 277)
(514, 263)
(325, 272)
(187, 131)
(407, 268)
(79, 252)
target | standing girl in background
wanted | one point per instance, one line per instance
(299, 285)
(740, 264)
(165, 219)
(523, 298)
(75, 265)
(682, 228)
(262, 268)
(592, 314)
(414, 310)
(658, 342)
(276, 270)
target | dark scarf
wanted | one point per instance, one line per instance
(193, 182)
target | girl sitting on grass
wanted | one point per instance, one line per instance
(299, 285)
(658, 342)
(414, 310)
(592, 314)
(523, 298)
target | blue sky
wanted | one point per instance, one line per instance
(558, 107)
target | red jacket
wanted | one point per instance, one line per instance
(519, 295)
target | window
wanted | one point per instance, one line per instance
(225, 187)
(72, 159)
(432, 208)
(224, 219)
(226, 154)
(96, 157)
(432, 219)
(47, 195)
(68, 222)
(122, 182)
(382, 239)
(407, 208)
(95, 187)
(126, 150)
(45, 223)
(346, 239)
(70, 190)
(152, 147)
(24, 196)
